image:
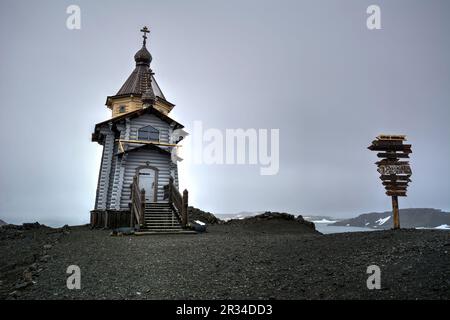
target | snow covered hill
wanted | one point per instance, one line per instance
(409, 218)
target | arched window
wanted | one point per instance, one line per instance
(148, 133)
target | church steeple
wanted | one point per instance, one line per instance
(139, 146)
(140, 85)
(143, 57)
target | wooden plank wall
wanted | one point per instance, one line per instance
(139, 158)
(110, 219)
(113, 190)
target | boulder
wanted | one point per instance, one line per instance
(203, 216)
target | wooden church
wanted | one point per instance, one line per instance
(138, 178)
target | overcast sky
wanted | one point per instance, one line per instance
(309, 68)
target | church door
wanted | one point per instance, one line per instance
(147, 181)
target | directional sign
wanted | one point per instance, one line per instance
(394, 169)
(393, 177)
(391, 137)
(391, 162)
(390, 147)
(396, 188)
(394, 174)
(397, 183)
(392, 155)
(396, 193)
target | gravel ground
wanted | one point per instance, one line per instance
(272, 260)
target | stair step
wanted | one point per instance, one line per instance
(160, 217)
(162, 230)
(143, 233)
(151, 214)
(169, 213)
(159, 223)
(158, 207)
(158, 212)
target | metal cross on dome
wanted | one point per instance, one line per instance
(145, 30)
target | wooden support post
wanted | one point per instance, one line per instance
(170, 199)
(141, 223)
(92, 219)
(184, 213)
(106, 219)
(395, 212)
(131, 219)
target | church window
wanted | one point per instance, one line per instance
(122, 109)
(148, 133)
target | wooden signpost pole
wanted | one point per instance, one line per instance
(394, 173)
(395, 212)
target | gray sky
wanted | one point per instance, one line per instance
(310, 68)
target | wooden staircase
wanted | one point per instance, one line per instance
(162, 217)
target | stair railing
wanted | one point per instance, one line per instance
(137, 202)
(177, 201)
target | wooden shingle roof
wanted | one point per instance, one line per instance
(138, 82)
(134, 114)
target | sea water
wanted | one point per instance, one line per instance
(327, 228)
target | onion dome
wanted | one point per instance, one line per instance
(143, 57)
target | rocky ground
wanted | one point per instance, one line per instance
(266, 259)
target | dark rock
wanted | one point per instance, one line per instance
(45, 258)
(22, 285)
(31, 226)
(271, 216)
(203, 216)
(305, 222)
(125, 231)
(28, 276)
(197, 226)
(33, 267)
(273, 223)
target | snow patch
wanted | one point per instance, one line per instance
(382, 221)
(443, 227)
(200, 222)
(323, 221)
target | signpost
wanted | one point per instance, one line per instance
(394, 174)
